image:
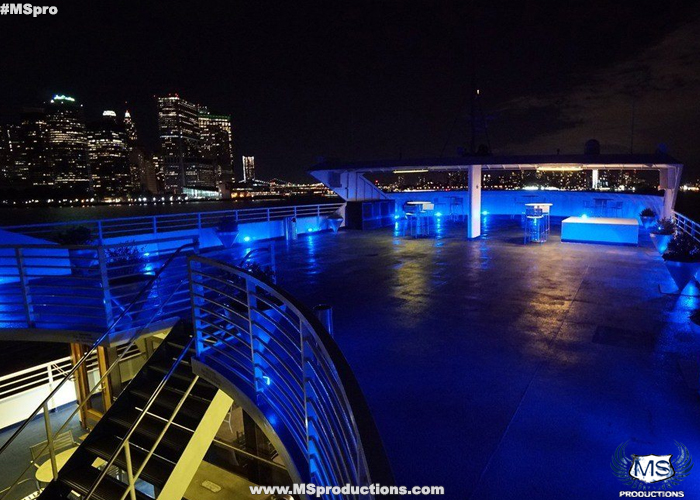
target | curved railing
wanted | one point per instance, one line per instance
(278, 355)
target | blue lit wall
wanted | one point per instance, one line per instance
(564, 203)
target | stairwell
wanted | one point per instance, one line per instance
(167, 415)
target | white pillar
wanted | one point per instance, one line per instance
(594, 178)
(474, 193)
(670, 180)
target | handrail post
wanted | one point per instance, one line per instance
(129, 470)
(199, 221)
(104, 277)
(49, 440)
(155, 226)
(26, 294)
(268, 215)
(100, 234)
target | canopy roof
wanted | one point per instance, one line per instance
(657, 161)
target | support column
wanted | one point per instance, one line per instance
(474, 194)
(669, 181)
(594, 178)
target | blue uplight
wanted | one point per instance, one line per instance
(484, 212)
(311, 230)
(397, 217)
(584, 216)
(438, 214)
(246, 238)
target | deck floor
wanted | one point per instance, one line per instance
(500, 370)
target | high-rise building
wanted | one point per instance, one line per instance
(216, 142)
(144, 170)
(32, 158)
(108, 156)
(67, 143)
(7, 158)
(130, 127)
(248, 168)
(181, 151)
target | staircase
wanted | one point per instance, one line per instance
(154, 435)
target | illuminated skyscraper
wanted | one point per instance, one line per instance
(217, 148)
(10, 166)
(67, 151)
(108, 156)
(32, 159)
(248, 168)
(130, 127)
(181, 149)
(143, 170)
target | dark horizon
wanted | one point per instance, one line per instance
(369, 81)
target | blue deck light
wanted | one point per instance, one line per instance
(484, 212)
(438, 214)
(246, 238)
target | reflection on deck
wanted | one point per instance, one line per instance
(486, 362)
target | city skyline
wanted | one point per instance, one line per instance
(54, 144)
(389, 81)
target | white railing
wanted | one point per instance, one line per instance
(688, 226)
(27, 388)
(125, 227)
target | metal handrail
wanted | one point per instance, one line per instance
(687, 225)
(170, 222)
(94, 347)
(144, 411)
(316, 358)
(99, 383)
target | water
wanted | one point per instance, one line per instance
(688, 204)
(34, 215)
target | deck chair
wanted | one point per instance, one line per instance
(61, 442)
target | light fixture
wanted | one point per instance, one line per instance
(559, 168)
(413, 171)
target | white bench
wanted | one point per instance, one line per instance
(600, 230)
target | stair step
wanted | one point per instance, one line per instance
(202, 390)
(190, 413)
(162, 366)
(156, 472)
(145, 435)
(82, 478)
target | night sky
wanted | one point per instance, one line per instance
(371, 80)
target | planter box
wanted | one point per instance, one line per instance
(682, 272)
(661, 241)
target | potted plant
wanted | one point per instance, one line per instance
(227, 231)
(127, 275)
(81, 259)
(647, 217)
(334, 221)
(682, 259)
(661, 234)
